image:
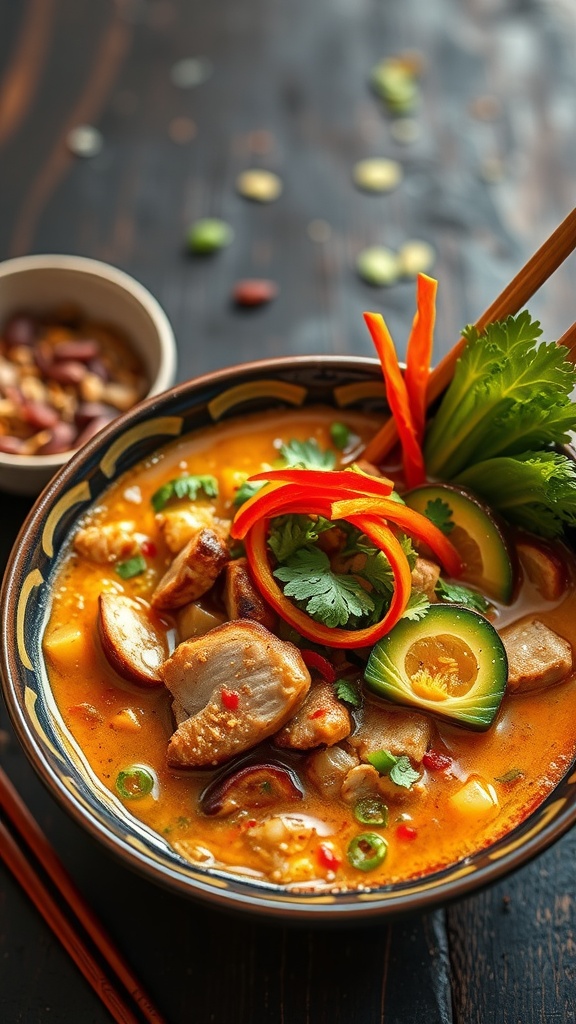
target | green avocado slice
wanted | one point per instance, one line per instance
(450, 663)
(475, 533)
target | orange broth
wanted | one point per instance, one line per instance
(531, 742)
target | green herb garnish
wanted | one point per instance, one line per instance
(307, 455)
(399, 769)
(440, 513)
(328, 597)
(347, 691)
(289, 533)
(131, 567)
(184, 487)
(340, 435)
(247, 490)
(455, 593)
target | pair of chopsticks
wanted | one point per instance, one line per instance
(517, 293)
(105, 982)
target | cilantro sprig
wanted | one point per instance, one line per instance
(184, 487)
(307, 455)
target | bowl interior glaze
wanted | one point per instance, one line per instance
(338, 381)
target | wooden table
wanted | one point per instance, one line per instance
(490, 172)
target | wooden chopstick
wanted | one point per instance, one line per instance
(517, 293)
(568, 339)
(26, 827)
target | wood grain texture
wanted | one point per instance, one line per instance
(289, 92)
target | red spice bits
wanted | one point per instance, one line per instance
(327, 858)
(406, 832)
(62, 378)
(434, 761)
(230, 700)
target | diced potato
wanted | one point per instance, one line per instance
(476, 799)
(193, 620)
(125, 720)
(65, 646)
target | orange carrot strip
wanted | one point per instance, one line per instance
(419, 350)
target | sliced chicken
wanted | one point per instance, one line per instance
(134, 638)
(328, 768)
(239, 684)
(193, 571)
(179, 525)
(543, 568)
(425, 576)
(537, 657)
(112, 542)
(322, 720)
(241, 598)
(360, 782)
(400, 732)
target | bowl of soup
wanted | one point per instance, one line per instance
(198, 665)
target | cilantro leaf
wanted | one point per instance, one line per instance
(418, 605)
(347, 691)
(455, 593)
(440, 513)
(508, 394)
(403, 774)
(247, 490)
(326, 596)
(289, 533)
(536, 490)
(184, 487)
(307, 455)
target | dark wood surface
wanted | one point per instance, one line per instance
(485, 193)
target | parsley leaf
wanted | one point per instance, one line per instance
(440, 513)
(184, 487)
(247, 490)
(347, 691)
(307, 455)
(403, 774)
(326, 596)
(455, 593)
(289, 533)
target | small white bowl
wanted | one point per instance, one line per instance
(103, 293)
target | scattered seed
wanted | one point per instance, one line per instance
(415, 257)
(319, 231)
(254, 292)
(378, 266)
(404, 130)
(377, 175)
(260, 186)
(182, 129)
(191, 71)
(208, 235)
(85, 141)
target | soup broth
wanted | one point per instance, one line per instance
(298, 825)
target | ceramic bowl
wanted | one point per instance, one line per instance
(104, 294)
(343, 382)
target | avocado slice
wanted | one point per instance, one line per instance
(451, 663)
(475, 534)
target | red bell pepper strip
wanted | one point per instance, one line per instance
(397, 397)
(419, 351)
(407, 519)
(320, 664)
(256, 553)
(348, 479)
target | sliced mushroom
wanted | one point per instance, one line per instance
(134, 639)
(193, 571)
(252, 787)
(241, 599)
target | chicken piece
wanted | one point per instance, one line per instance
(537, 657)
(239, 684)
(286, 847)
(543, 568)
(400, 732)
(241, 598)
(180, 525)
(111, 542)
(425, 576)
(193, 571)
(322, 720)
(360, 782)
(327, 769)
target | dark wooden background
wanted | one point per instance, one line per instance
(485, 193)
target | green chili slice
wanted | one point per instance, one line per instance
(382, 760)
(367, 851)
(371, 811)
(134, 782)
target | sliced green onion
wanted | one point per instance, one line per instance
(367, 851)
(135, 782)
(382, 760)
(131, 567)
(371, 811)
(340, 435)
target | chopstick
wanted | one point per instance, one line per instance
(568, 339)
(516, 294)
(26, 828)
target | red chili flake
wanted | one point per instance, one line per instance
(319, 713)
(251, 823)
(148, 549)
(320, 664)
(327, 858)
(407, 832)
(436, 762)
(230, 700)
